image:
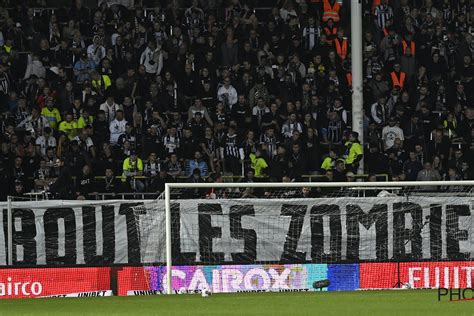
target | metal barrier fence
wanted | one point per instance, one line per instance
(44, 195)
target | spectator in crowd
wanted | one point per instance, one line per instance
(133, 168)
(19, 189)
(339, 173)
(110, 108)
(428, 174)
(109, 184)
(195, 178)
(62, 187)
(354, 152)
(92, 85)
(118, 127)
(330, 161)
(258, 163)
(391, 132)
(196, 163)
(85, 184)
(68, 126)
(82, 68)
(227, 94)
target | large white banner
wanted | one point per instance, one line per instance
(240, 231)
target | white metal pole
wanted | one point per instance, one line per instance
(9, 231)
(357, 77)
(169, 262)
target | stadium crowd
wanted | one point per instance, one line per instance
(194, 90)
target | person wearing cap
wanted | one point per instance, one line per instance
(133, 167)
(354, 152)
(96, 51)
(82, 68)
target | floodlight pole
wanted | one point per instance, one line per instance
(169, 263)
(357, 77)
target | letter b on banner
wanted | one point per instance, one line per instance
(24, 233)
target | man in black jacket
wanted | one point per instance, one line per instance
(62, 187)
(101, 130)
(110, 184)
(85, 184)
(297, 162)
(195, 193)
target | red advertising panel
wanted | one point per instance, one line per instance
(458, 274)
(25, 283)
(377, 275)
(131, 279)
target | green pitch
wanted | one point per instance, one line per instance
(416, 302)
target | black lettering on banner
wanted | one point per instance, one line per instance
(317, 233)
(453, 233)
(435, 232)
(51, 230)
(248, 235)
(376, 215)
(90, 238)
(402, 235)
(207, 232)
(179, 257)
(24, 237)
(132, 233)
(297, 213)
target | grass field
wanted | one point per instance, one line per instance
(372, 303)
